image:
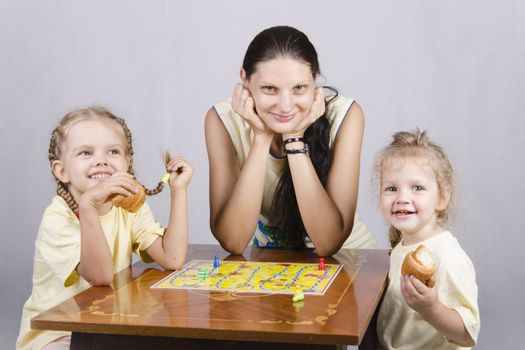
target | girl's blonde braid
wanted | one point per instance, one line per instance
(167, 158)
(62, 189)
(129, 140)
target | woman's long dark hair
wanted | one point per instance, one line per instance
(283, 41)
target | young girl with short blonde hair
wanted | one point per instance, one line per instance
(416, 191)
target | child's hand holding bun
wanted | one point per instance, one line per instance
(133, 202)
(420, 264)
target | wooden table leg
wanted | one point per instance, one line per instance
(370, 340)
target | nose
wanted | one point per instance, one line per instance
(285, 102)
(101, 160)
(402, 196)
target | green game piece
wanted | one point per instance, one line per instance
(298, 296)
(203, 274)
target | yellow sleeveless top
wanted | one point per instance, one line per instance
(242, 138)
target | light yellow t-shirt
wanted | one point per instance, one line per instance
(242, 138)
(400, 327)
(57, 254)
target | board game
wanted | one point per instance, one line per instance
(255, 277)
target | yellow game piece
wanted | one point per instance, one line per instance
(298, 305)
(298, 296)
(165, 178)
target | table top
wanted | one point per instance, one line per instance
(130, 307)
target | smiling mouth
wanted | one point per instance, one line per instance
(283, 118)
(99, 176)
(402, 213)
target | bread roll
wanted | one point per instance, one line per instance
(133, 202)
(420, 264)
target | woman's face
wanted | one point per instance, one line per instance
(283, 90)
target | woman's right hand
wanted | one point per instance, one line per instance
(118, 183)
(243, 105)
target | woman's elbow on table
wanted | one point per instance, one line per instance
(229, 241)
(172, 264)
(101, 281)
(234, 247)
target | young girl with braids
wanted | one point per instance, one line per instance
(83, 239)
(283, 158)
(416, 189)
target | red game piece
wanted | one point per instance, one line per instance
(321, 264)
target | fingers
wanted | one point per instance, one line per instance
(249, 105)
(244, 105)
(115, 189)
(418, 286)
(181, 173)
(404, 288)
(319, 94)
(121, 174)
(412, 285)
(418, 296)
(239, 99)
(178, 165)
(236, 96)
(119, 183)
(408, 290)
(124, 180)
(318, 106)
(245, 95)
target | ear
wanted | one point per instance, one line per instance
(244, 80)
(444, 200)
(58, 169)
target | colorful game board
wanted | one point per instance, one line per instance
(256, 277)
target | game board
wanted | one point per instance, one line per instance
(255, 277)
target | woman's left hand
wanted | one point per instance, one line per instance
(417, 295)
(316, 111)
(181, 173)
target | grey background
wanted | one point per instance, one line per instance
(455, 68)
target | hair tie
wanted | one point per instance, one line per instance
(165, 178)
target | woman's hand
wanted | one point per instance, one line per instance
(118, 183)
(417, 295)
(316, 111)
(243, 105)
(181, 173)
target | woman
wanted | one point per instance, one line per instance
(284, 160)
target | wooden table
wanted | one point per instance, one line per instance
(129, 314)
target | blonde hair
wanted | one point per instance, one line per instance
(59, 134)
(416, 145)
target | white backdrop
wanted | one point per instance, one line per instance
(453, 68)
